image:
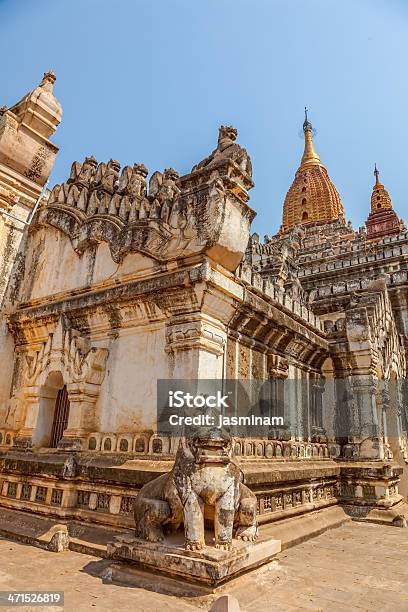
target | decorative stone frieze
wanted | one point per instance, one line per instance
(176, 217)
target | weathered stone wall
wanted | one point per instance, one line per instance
(128, 396)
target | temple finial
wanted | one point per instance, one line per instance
(306, 124)
(376, 174)
(309, 155)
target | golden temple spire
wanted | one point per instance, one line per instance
(312, 197)
(309, 155)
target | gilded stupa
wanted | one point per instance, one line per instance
(312, 197)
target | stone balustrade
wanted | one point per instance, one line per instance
(345, 287)
(147, 445)
(361, 257)
(269, 290)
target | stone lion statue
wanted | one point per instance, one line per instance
(227, 148)
(203, 474)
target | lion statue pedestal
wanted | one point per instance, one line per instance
(204, 475)
(209, 566)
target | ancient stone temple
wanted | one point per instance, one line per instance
(114, 279)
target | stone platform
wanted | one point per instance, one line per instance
(324, 574)
(100, 489)
(210, 566)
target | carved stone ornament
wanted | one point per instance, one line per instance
(66, 351)
(176, 217)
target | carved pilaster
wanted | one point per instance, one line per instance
(196, 349)
(367, 431)
(278, 370)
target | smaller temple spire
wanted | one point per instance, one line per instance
(382, 220)
(309, 155)
(380, 198)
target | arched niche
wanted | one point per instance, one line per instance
(42, 433)
(328, 368)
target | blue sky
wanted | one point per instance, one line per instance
(151, 80)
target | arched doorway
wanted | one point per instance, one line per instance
(61, 415)
(53, 412)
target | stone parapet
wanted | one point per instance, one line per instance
(204, 212)
(269, 290)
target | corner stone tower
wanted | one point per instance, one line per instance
(26, 160)
(312, 197)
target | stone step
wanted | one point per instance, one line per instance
(298, 529)
(48, 533)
